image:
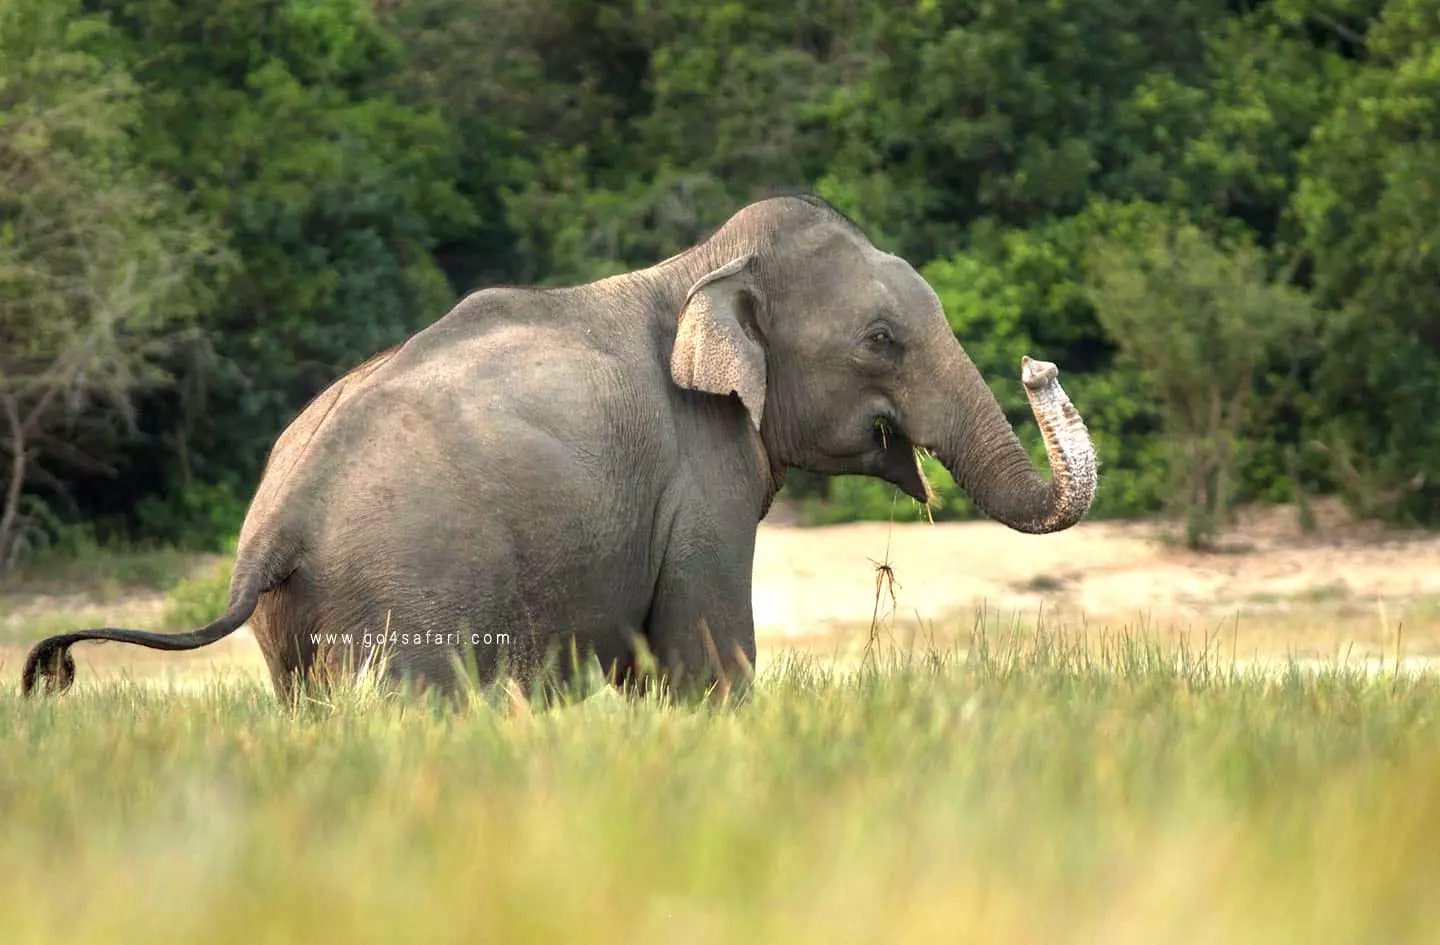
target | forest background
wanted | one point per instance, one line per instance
(1222, 219)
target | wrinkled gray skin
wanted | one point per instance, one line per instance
(570, 465)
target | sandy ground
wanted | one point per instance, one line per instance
(1281, 589)
(1345, 590)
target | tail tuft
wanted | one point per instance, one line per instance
(50, 664)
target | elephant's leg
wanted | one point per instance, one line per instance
(701, 628)
(282, 625)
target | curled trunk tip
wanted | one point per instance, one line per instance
(1068, 448)
(989, 462)
(1036, 374)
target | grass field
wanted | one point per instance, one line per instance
(1030, 789)
(1017, 786)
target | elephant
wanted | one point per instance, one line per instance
(583, 469)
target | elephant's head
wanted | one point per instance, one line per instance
(842, 355)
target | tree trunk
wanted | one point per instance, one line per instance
(17, 478)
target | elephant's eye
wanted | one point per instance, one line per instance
(880, 337)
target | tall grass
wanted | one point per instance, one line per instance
(1028, 790)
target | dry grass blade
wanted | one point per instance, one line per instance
(885, 584)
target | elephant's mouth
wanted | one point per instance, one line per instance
(899, 460)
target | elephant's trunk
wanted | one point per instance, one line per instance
(988, 462)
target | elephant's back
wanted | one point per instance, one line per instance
(288, 455)
(524, 418)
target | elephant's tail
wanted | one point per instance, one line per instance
(51, 664)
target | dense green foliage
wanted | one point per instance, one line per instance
(298, 184)
(1023, 792)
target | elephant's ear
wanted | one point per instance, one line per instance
(716, 350)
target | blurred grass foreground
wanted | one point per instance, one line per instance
(1025, 790)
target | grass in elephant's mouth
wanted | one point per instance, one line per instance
(1028, 791)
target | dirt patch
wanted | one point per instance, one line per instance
(1345, 583)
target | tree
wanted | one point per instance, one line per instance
(274, 116)
(1368, 209)
(1200, 320)
(605, 136)
(99, 264)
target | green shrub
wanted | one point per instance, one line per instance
(200, 517)
(197, 601)
(77, 556)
